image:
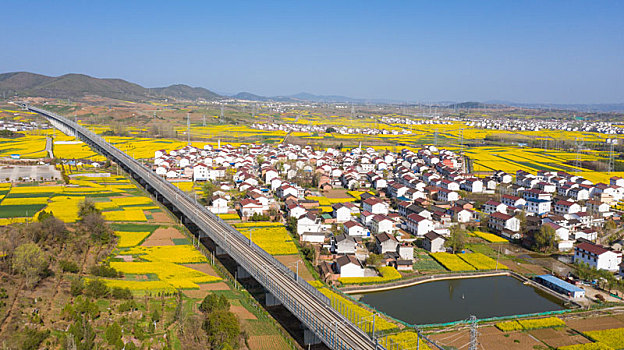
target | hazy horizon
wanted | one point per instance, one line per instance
(563, 52)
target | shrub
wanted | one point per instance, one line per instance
(222, 328)
(128, 306)
(121, 293)
(155, 316)
(33, 338)
(213, 303)
(77, 286)
(104, 271)
(96, 289)
(68, 266)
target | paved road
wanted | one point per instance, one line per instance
(303, 300)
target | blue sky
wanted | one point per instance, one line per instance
(521, 51)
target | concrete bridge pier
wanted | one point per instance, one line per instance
(241, 272)
(271, 300)
(219, 251)
(309, 338)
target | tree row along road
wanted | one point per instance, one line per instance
(303, 300)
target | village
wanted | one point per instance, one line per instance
(401, 201)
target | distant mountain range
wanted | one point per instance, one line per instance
(305, 97)
(80, 85)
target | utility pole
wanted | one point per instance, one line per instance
(611, 161)
(461, 141)
(204, 120)
(188, 127)
(577, 162)
(221, 110)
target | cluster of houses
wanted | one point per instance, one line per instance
(517, 124)
(409, 198)
(343, 130)
(429, 121)
(17, 126)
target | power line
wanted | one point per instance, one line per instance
(577, 162)
(188, 127)
(611, 165)
(473, 333)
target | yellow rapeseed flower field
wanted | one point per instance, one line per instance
(177, 276)
(490, 237)
(274, 240)
(30, 146)
(25, 201)
(612, 337)
(125, 215)
(586, 346)
(357, 314)
(123, 201)
(481, 262)
(130, 239)
(65, 208)
(152, 286)
(407, 340)
(388, 273)
(452, 262)
(181, 254)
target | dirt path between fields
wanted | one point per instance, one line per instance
(9, 313)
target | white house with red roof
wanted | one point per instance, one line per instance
(447, 195)
(219, 205)
(579, 193)
(473, 185)
(616, 181)
(308, 223)
(349, 266)
(296, 210)
(249, 207)
(419, 225)
(286, 189)
(597, 256)
(597, 207)
(493, 206)
(375, 206)
(200, 172)
(341, 212)
(563, 207)
(355, 229)
(381, 223)
(563, 235)
(513, 201)
(504, 224)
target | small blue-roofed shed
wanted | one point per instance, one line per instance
(560, 286)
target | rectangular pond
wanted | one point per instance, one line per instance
(457, 299)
